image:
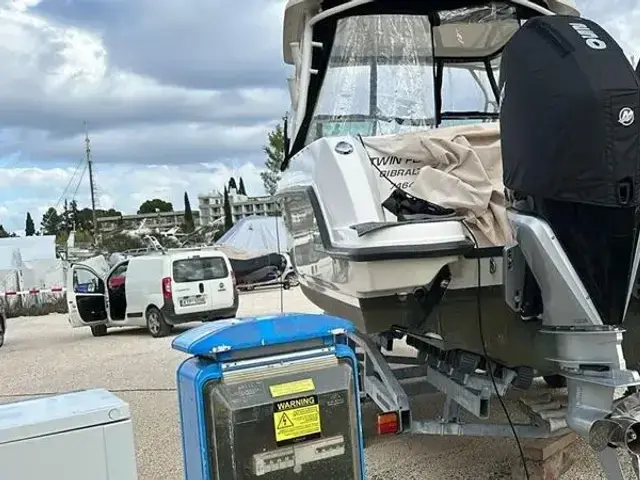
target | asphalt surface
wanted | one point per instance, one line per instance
(44, 355)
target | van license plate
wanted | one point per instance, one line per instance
(194, 300)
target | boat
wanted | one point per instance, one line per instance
(260, 270)
(258, 252)
(352, 255)
(467, 179)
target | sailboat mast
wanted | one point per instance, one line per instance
(91, 185)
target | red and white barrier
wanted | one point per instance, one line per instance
(33, 291)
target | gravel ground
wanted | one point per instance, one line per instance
(45, 355)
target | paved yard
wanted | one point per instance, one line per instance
(45, 355)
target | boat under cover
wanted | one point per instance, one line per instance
(403, 198)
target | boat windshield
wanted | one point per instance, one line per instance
(396, 73)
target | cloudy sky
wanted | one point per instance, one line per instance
(178, 95)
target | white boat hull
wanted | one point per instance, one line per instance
(355, 260)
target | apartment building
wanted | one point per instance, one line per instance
(163, 221)
(211, 206)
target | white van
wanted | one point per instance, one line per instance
(156, 291)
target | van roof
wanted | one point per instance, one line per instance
(187, 253)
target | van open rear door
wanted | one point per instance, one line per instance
(201, 282)
(86, 295)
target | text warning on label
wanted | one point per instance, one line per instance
(297, 420)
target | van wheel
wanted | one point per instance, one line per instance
(99, 330)
(1, 332)
(292, 280)
(156, 323)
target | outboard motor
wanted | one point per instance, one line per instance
(571, 143)
(571, 156)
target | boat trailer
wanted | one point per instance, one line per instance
(467, 383)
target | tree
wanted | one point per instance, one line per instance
(119, 242)
(189, 224)
(72, 216)
(29, 227)
(51, 222)
(275, 156)
(151, 206)
(233, 184)
(112, 212)
(241, 189)
(64, 218)
(4, 233)
(228, 217)
(84, 218)
(74, 222)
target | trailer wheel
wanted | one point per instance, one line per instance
(157, 325)
(555, 381)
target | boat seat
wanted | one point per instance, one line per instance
(363, 229)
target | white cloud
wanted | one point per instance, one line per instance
(621, 18)
(57, 73)
(191, 134)
(123, 187)
(56, 76)
(20, 5)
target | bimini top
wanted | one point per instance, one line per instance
(481, 34)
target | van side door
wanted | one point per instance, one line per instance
(87, 297)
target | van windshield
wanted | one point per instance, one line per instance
(199, 269)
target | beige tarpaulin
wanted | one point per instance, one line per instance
(455, 167)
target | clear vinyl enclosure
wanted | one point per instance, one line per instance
(396, 73)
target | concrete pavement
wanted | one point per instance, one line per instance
(45, 355)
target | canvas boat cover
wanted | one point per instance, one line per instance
(296, 11)
(570, 114)
(255, 236)
(454, 167)
(571, 148)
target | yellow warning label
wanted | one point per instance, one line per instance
(291, 388)
(297, 419)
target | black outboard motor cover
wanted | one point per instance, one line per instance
(571, 143)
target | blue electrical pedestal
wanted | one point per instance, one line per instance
(272, 397)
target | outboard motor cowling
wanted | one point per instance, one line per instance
(571, 146)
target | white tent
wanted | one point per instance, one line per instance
(256, 235)
(42, 274)
(28, 249)
(9, 281)
(97, 263)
